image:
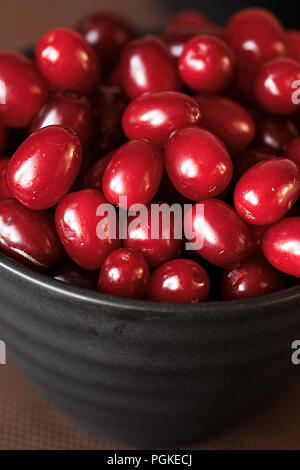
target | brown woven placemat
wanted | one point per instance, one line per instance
(27, 421)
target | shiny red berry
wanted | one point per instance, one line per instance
(22, 91)
(277, 86)
(68, 62)
(207, 64)
(147, 66)
(273, 133)
(179, 281)
(44, 167)
(253, 278)
(221, 236)
(227, 119)
(197, 163)
(28, 236)
(155, 237)
(155, 116)
(87, 235)
(69, 110)
(134, 171)
(4, 191)
(281, 246)
(267, 191)
(124, 273)
(93, 179)
(107, 33)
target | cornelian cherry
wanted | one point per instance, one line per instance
(225, 238)
(292, 39)
(227, 119)
(155, 116)
(44, 167)
(124, 273)
(273, 133)
(207, 64)
(197, 163)
(28, 236)
(267, 191)
(253, 278)
(281, 246)
(135, 171)
(147, 66)
(23, 90)
(69, 110)
(179, 281)
(67, 61)
(277, 86)
(187, 21)
(93, 179)
(81, 228)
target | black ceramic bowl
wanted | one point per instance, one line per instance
(142, 373)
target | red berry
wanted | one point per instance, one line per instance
(227, 240)
(179, 281)
(67, 61)
(159, 249)
(4, 191)
(107, 33)
(187, 21)
(176, 43)
(292, 151)
(69, 110)
(80, 228)
(273, 133)
(124, 273)
(197, 163)
(155, 116)
(256, 36)
(93, 179)
(267, 191)
(109, 104)
(147, 66)
(276, 86)
(28, 236)
(258, 232)
(22, 91)
(135, 171)
(207, 64)
(292, 39)
(281, 246)
(227, 119)
(253, 278)
(44, 167)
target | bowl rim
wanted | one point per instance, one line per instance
(43, 280)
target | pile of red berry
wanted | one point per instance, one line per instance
(201, 115)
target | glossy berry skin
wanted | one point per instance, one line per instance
(256, 36)
(28, 236)
(273, 133)
(253, 278)
(135, 171)
(179, 281)
(227, 119)
(23, 90)
(124, 273)
(68, 62)
(107, 33)
(156, 250)
(70, 273)
(155, 116)
(197, 163)
(147, 66)
(207, 64)
(281, 246)
(69, 110)
(109, 103)
(93, 179)
(292, 151)
(267, 191)
(227, 240)
(292, 39)
(275, 86)
(79, 227)
(4, 191)
(44, 167)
